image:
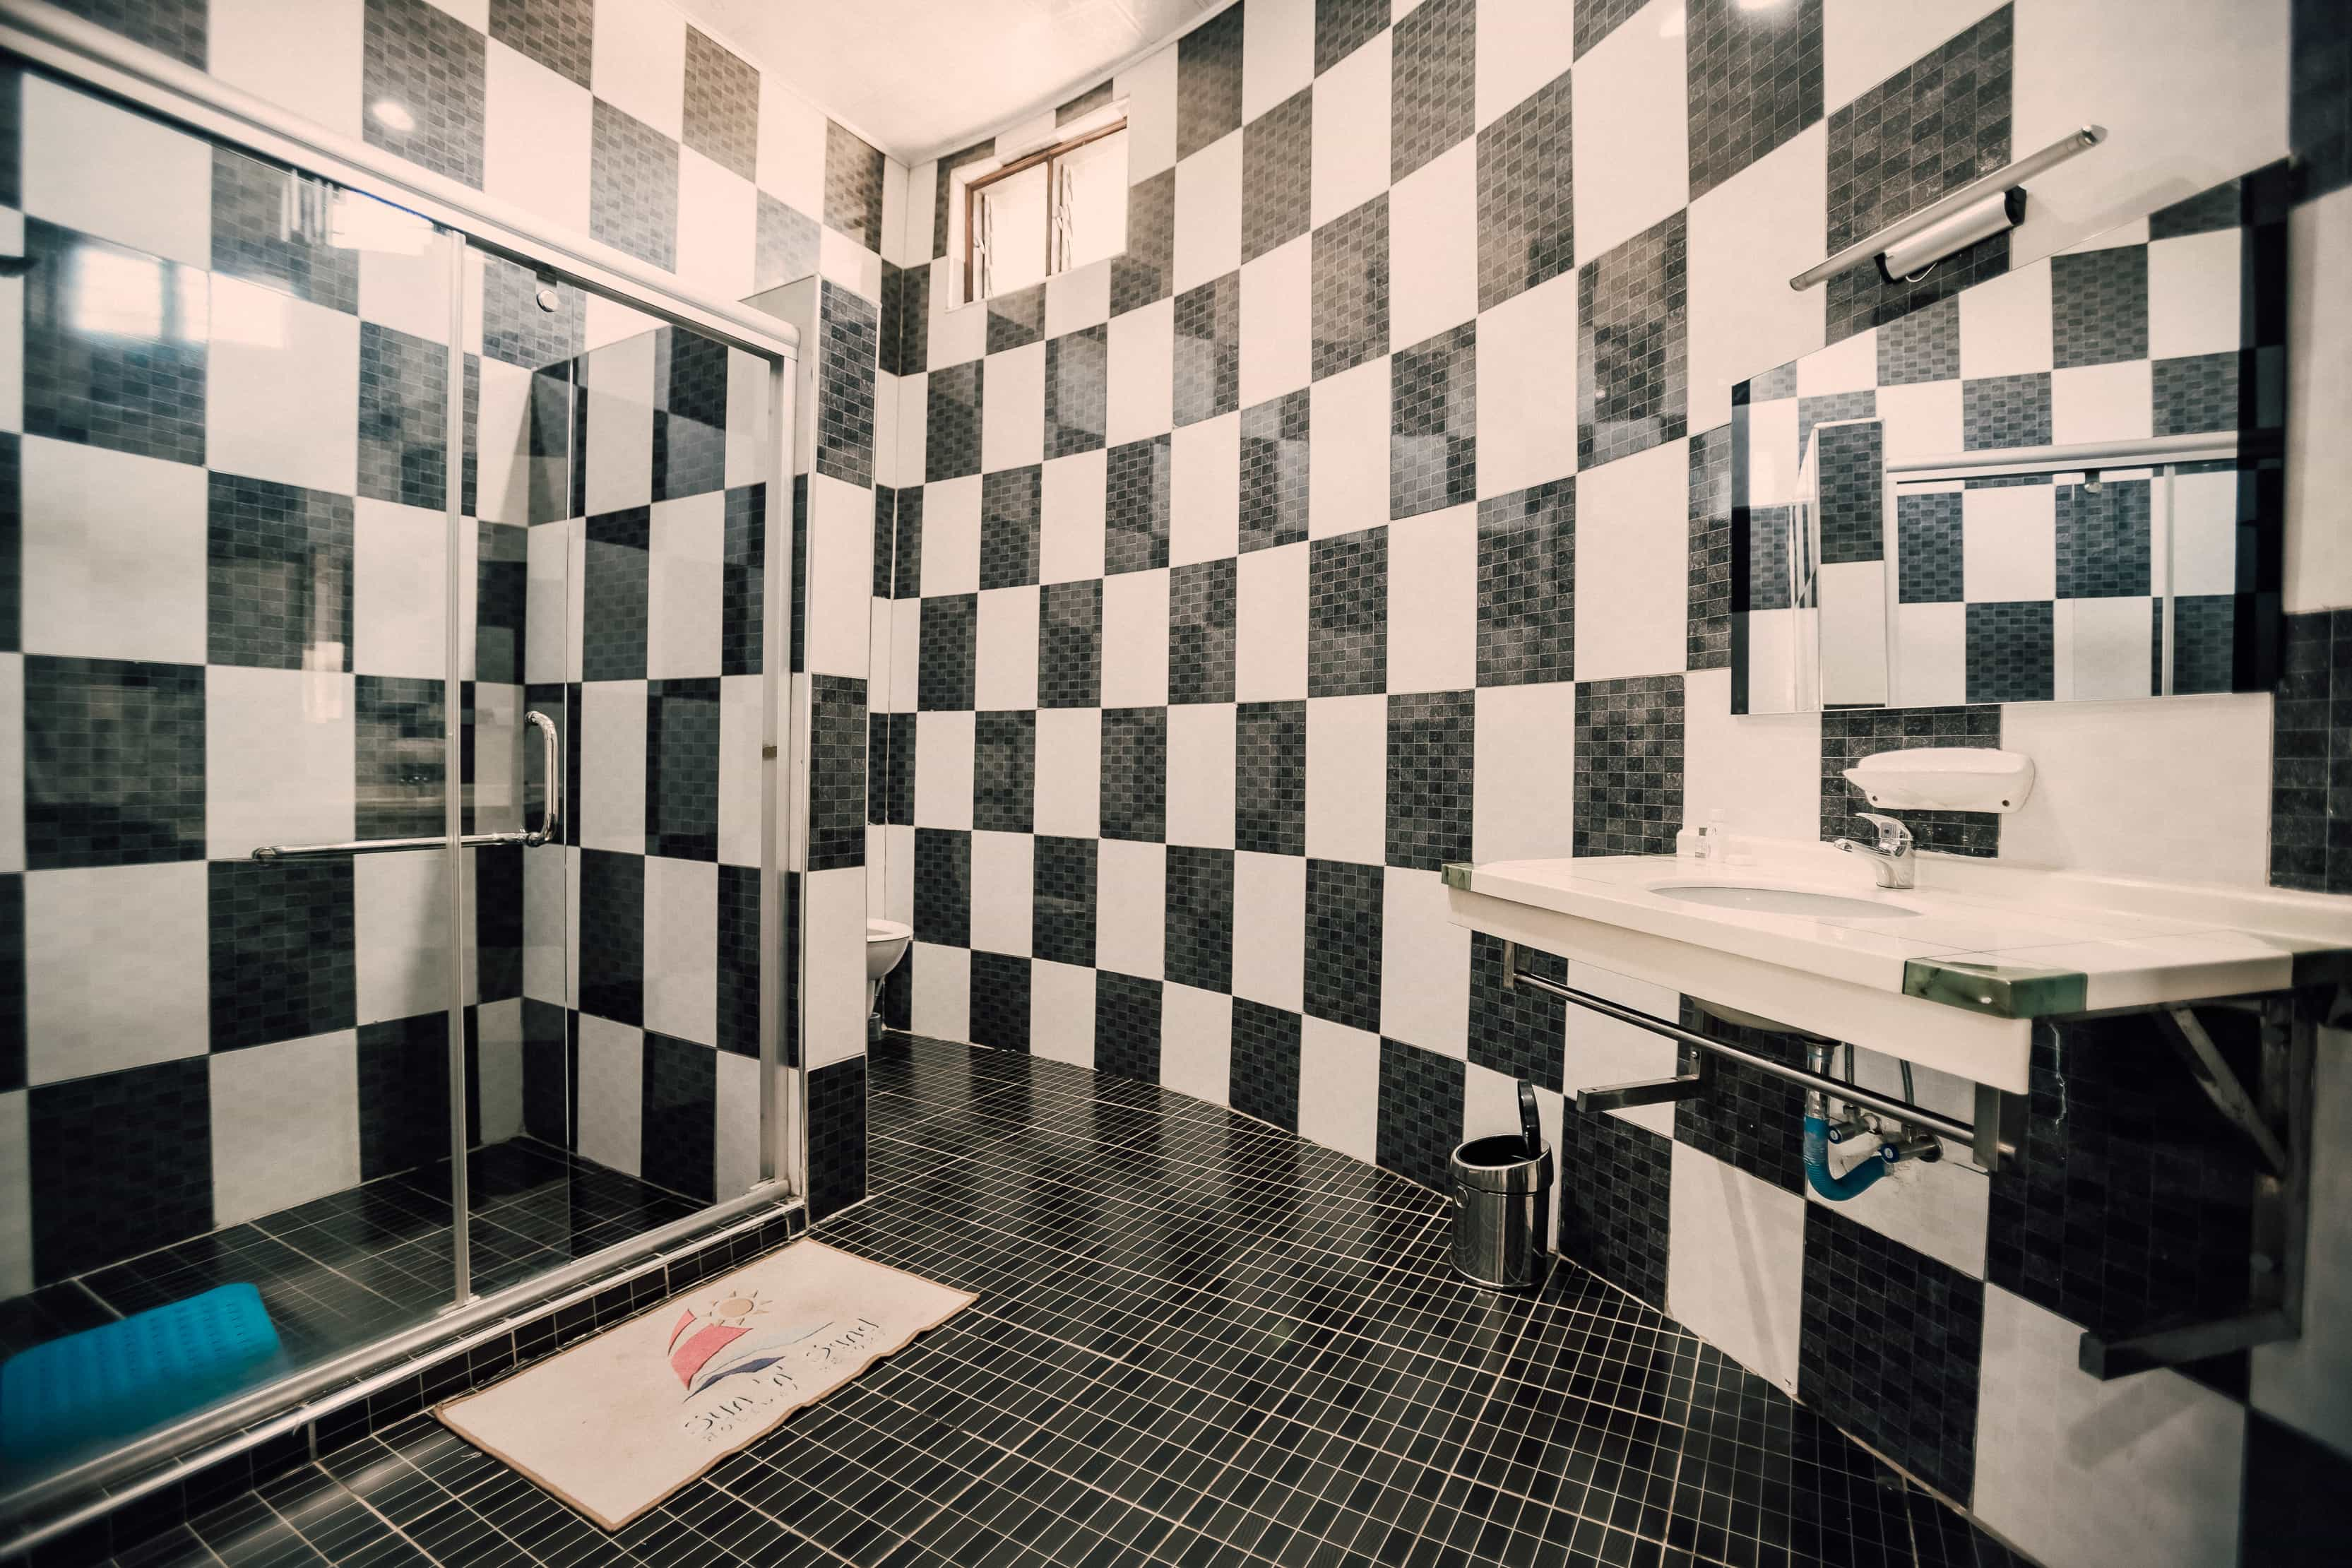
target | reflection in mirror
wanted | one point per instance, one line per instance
(2062, 484)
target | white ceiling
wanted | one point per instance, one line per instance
(921, 77)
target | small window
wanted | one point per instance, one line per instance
(1045, 214)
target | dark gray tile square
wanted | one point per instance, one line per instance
(1015, 320)
(1275, 455)
(558, 34)
(853, 186)
(404, 419)
(1433, 98)
(1277, 151)
(1145, 272)
(1754, 81)
(1270, 778)
(1062, 901)
(743, 571)
(1135, 512)
(2197, 393)
(1849, 734)
(1134, 804)
(949, 635)
(1347, 614)
(836, 769)
(2011, 657)
(1998, 411)
(114, 762)
(251, 237)
(1070, 645)
(1526, 220)
(1344, 913)
(138, 393)
(943, 887)
(1922, 346)
(848, 332)
(1517, 1030)
(949, 164)
(2103, 540)
(281, 945)
(400, 774)
(280, 573)
(1596, 19)
(952, 444)
(1433, 423)
(1000, 1001)
(1349, 297)
(785, 248)
(1429, 778)
(87, 1213)
(1126, 1025)
(2099, 306)
(1629, 765)
(1201, 633)
(1265, 1064)
(1199, 913)
(1709, 611)
(1526, 586)
(1928, 549)
(179, 28)
(677, 1121)
(1208, 358)
(722, 105)
(1209, 81)
(1616, 1201)
(1343, 27)
(614, 592)
(427, 62)
(1009, 503)
(1632, 346)
(1003, 771)
(632, 186)
(1853, 506)
(514, 329)
(1077, 388)
(1420, 1118)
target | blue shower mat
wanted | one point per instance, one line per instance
(126, 1376)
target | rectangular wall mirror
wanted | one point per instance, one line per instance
(2064, 483)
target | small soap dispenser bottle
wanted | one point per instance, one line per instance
(1690, 844)
(1714, 840)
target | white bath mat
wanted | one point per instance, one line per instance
(618, 1422)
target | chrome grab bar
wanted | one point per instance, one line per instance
(550, 825)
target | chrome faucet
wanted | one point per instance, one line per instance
(1890, 852)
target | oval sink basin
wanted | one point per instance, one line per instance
(1766, 900)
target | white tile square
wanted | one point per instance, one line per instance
(282, 389)
(499, 1030)
(618, 383)
(286, 1124)
(1433, 247)
(1006, 674)
(2300, 1381)
(1142, 357)
(2143, 1472)
(742, 699)
(1735, 1263)
(791, 152)
(1432, 640)
(535, 137)
(906, 653)
(685, 587)
(736, 1156)
(1277, 322)
(79, 1017)
(1347, 779)
(2203, 535)
(1002, 892)
(400, 918)
(1149, 87)
(2009, 544)
(914, 425)
(1522, 796)
(1209, 212)
(550, 630)
(114, 555)
(1347, 419)
(718, 227)
(940, 982)
(1201, 774)
(2192, 295)
(612, 782)
(1522, 45)
(1631, 133)
(12, 761)
(951, 558)
(1772, 455)
(1344, 1065)
(2102, 403)
(1204, 484)
(1848, 365)
(1196, 1043)
(611, 1059)
(307, 59)
(750, 392)
(1277, 53)
(399, 590)
(403, 277)
(638, 63)
(887, 408)
(1012, 416)
(2005, 325)
(1070, 518)
(1068, 802)
(1351, 153)
(943, 770)
(548, 882)
(1270, 930)
(841, 575)
(834, 965)
(1062, 1012)
(681, 975)
(1078, 299)
(1526, 398)
(959, 332)
(1632, 564)
(502, 486)
(1853, 632)
(1424, 965)
(1863, 42)
(1135, 639)
(279, 749)
(1131, 908)
(2100, 649)
(114, 173)
(1748, 236)
(16, 1196)
(1270, 625)
(1920, 420)
(1761, 770)
(1931, 655)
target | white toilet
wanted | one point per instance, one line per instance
(886, 944)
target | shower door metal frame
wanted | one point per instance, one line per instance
(86, 55)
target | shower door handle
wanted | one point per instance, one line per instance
(551, 750)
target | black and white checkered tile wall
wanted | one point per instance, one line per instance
(295, 387)
(1190, 695)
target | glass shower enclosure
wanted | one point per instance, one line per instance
(387, 753)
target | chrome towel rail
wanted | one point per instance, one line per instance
(1991, 1138)
(551, 750)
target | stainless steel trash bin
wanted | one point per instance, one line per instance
(1502, 1207)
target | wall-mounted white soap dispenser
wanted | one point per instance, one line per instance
(1945, 778)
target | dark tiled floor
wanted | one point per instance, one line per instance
(351, 1267)
(1198, 1340)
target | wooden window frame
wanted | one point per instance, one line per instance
(971, 294)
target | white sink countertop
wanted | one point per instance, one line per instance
(1951, 976)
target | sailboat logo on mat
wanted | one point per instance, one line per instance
(722, 1343)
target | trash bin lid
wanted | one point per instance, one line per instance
(1500, 1165)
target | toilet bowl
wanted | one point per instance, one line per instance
(886, 944)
